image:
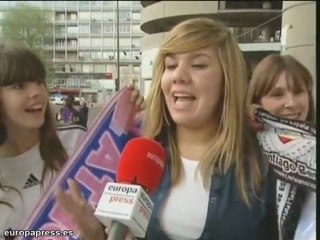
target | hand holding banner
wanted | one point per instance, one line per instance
(290, 146)
(92, 165)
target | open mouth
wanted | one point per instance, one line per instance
(183, 97)
(34, 109)
(292, 116)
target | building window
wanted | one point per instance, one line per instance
(135, 55)
(71, 4)
(60, 42)
(124, 3)
(96, 42)
(84, 42)
(61, 68)
(136, 3)
(61, 82)
(108, 3)
(136, 16)
(107, 27)
(59, 4)
(125, 55)
(60, 55)
(83, 4)
(96, 55)
(136, 29)
(72, 16)
(108, 55)
(60, 29)
(135, 43)
(72, 56)
(70, 68)
(95, 3)
(136, 69)
(108, 16)
(87, 68)
(72, 42)
(84, 28)
(124, 15)
(124, 42)
(108, 42)
(72, 29)
(96, 16)
(124, 27)
(99, 68)
(60, 16)
(124, 69)
(84, 15)
(84, 55)
(95, 29)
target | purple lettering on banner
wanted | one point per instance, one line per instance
(103, 157)
(92, 183)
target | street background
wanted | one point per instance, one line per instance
(93, 112)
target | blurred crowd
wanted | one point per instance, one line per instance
(68, 114)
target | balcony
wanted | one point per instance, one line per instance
(163, 15)
(84, 47)
(95, 47)
(71, 22)
(260, 47)
(72, 48)
(60, 47)
(242, 5)
(60, 34)
(147, 3)
(266, 38)
(59, 20)
(249, 13)
(264, 34)
(72, 34)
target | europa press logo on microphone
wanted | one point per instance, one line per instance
(156, 159)
(122, 194)
(125, 203)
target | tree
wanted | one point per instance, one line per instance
(31, 25)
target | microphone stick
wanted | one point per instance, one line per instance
(117, 231)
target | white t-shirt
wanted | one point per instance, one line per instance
(306, 229)
(184, 211)
(24, 172)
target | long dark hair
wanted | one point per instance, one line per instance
(19, 64)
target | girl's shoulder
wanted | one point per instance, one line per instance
(70, 136)
(71, 127)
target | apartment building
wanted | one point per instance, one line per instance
(255, 24)
(84, 45)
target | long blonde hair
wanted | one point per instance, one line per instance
(231, 145)
(266, 75)
(19, 64)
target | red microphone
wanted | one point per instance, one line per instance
(126, 204)
(142, 162)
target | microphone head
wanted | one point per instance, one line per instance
(142, 162)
